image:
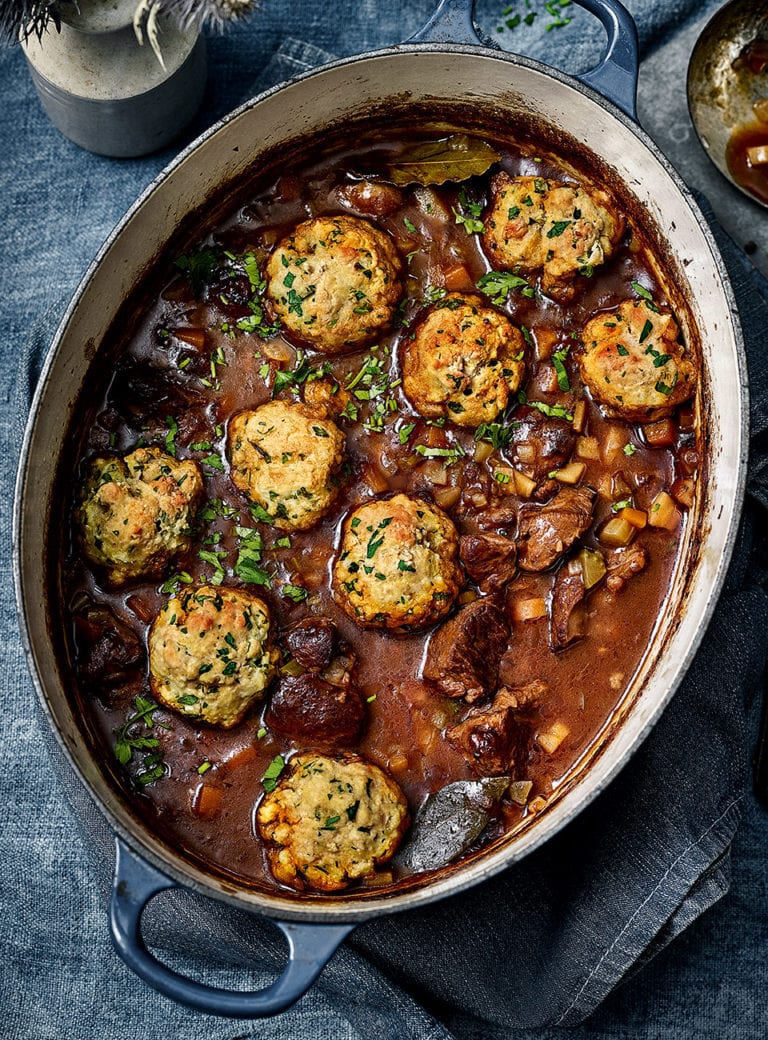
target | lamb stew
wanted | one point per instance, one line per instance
(375, 509)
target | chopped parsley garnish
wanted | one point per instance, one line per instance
(558, 360)
(302, 372)
(468, 214)
(497, 434)
(405, 432)
(554, 411)
(499, 284)
(629, 449)
(294, 592)
(450, 455)
(247, 565)
(558, 227)
(213, 557)
(410, 226)
(170, 437)
(130, 738)
(646, 330)
(198, 267)
(272, 772)
(172, 584)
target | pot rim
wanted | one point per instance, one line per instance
(476, 871)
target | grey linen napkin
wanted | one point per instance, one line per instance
(541, 944)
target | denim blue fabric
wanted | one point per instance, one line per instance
(535, 951)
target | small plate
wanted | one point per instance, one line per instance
(723, 88)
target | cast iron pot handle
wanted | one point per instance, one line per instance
(310, 947)
(616, 75)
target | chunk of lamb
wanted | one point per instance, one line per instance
(490, 559)
(623, 564)
(464, 654)
(307, 708)
(568, 615)
(370, 197)
(312, 642)
(546, 532)
(541, 443)
(109, 649)
(493, 739)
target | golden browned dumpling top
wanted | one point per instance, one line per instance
(634, 364)
(397, 565)
(335, 282)
(536, 225)
(210, 656)
(463, 361)
(136, 512)
(331, 821)
(286, 457)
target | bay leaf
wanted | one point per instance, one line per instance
(453, 158)
(449, 821)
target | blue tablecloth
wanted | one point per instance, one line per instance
(59, 975)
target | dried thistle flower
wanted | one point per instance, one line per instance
(205, 14)
(21, 19)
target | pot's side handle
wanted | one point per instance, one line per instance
(452, 22)
(310, 947)
(616, 75)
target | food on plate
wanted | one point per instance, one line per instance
(463, 361)
(633, 362)
(136, 512)
(334, 282)
(331, 821)
(398, 527)
(560, 230)
(286, 459)
(397, 565)
(210, 655)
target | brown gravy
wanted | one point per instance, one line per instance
(186, 370)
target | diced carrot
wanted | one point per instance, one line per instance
(398, 763)
(241, 757)
(529, 609)
(637, 517)
(143, 610)
(468, 596)
(757, 155)
(457, 278)
(195, 337)
(683, 491)
(375, 479)
(207, 800)
(660, 434)
(546, 341)
(686, 417)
